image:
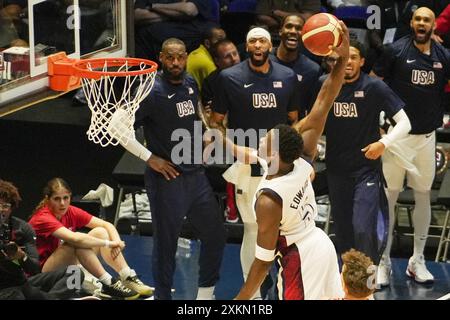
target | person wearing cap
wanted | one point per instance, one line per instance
(257, 94)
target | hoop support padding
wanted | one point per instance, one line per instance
(60, 72)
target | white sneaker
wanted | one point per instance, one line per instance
(418, 270)
(384, 272)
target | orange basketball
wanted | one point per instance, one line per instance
(320, 31)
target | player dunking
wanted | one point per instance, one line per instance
(256, 94)
(285, 205)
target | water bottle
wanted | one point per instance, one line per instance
(184, 248)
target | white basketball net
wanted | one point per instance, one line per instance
(113, 112)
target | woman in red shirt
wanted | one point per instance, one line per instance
(59, 244)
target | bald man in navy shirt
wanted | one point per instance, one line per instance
(417, 69)
(178, 189)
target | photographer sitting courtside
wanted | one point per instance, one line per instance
(20, 273)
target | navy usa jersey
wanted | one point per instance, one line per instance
(418, 79)
(308, 73)
(167, 108)
(353, 122)
(255, 100)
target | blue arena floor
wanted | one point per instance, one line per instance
(138, 254)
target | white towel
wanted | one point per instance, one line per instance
(239, 175)
(403, 155)
(104, 192)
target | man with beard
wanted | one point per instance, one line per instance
(256, 94)
(354, 147)
(417, 69)
(182, 190)
(288, 54)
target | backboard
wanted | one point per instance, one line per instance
(81, 28)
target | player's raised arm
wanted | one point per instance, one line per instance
(312, 126)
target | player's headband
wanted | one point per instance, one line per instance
(258, 33)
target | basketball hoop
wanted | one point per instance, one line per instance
(113, 109)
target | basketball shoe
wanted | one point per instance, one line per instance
(137, 285)
(231, 215)
(418, 270)
(384, 272)
(116, 290)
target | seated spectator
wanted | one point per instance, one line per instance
(199, 62)
(13, 32)
(59, 244)
(272, 12)
(156, 22)
(20, 272)
(357, 272)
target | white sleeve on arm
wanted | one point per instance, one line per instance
(136, 148)
(400, 130)
(119, 127)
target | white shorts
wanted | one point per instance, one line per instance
(309, 269)
(421, 152)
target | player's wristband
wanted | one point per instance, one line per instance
(107, 243)
(264, 254)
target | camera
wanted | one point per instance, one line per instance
(10, 248)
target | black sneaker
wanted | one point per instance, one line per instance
(116, 290)
(137, 285)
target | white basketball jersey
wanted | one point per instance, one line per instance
(299, 204)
